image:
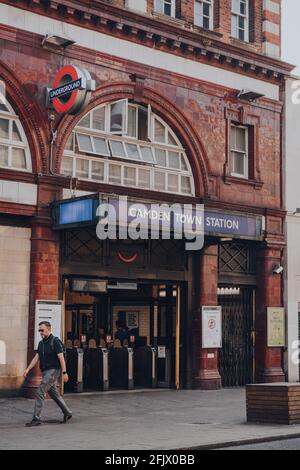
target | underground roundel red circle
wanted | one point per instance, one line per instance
(66, 102)
(71, 90)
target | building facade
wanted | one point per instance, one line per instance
(187, 108)
(292, 227)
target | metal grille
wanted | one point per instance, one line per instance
(236, 258)
(82, 245)
(236, 355)
(167, 254)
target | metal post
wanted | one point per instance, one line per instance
(105, 383)
(130, 369)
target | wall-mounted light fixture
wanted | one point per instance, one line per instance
(249, 95)
(58, 41)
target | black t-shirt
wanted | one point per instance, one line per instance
(48, 354)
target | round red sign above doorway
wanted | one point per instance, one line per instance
(127, 259)
(71, 90)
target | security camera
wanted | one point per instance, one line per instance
(278, 269)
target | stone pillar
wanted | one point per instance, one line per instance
(44, 284)
(206, 373)
(269, 361)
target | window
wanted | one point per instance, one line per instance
(239, 151)
(14, 149)
(165, 7)
(240, 20)
(118, 117)
(91, 144)
(204, 14)
(125, 144)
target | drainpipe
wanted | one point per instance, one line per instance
(53, 133)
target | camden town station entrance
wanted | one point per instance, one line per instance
(124, 326)
(129, 319)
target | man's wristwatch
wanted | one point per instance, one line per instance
(65, 373)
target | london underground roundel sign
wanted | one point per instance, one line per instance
(71, 90)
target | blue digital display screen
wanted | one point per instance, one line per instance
(74, 212)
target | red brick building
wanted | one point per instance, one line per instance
(200, 88)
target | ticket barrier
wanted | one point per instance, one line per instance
(120, 365)
(96, 363)
(145, 367)
(74, 359)
(164, 368)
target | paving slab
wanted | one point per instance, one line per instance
(166, 420)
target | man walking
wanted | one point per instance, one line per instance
(50, 355)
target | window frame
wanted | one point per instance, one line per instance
(125, 118)
(235, 151)
(10, 116)
(211, 14)
(160, 7)
(236, 16)
(171, 144)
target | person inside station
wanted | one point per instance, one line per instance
(101, 336)
(122, 333)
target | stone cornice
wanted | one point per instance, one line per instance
(164, 35)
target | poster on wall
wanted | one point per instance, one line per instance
(132, 320)
(211, 327)
(276, 327)
(51, 311)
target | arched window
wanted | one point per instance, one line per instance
(125, 144)
(14, 149)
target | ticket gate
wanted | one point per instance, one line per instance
(145, 367)
(96, 364)
(74, 360)
(120, 363)
(164, 368)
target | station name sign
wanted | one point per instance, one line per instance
(83, 211)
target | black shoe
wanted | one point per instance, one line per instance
(67, 418)
(33, 423)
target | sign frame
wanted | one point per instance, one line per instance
(50, 314)
(276, 327)
(71, 90)
(212, 336)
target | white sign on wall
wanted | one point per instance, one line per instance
(51, 311)
(211, 327)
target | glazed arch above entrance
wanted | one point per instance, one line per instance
(126, 144)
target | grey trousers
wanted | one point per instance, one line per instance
(49, 385)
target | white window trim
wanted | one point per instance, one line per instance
(126, 160)
(247, 19)
(246, 153)
(159, 7)
(211, 13)
(125, 118)
(93, 152)
(11, 116)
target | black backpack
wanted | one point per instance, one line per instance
(61, 343)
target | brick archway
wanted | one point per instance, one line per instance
(167, 110)
(30, 116)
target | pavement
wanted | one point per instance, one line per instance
(144, 420)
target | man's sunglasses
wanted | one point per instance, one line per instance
(41, 331)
